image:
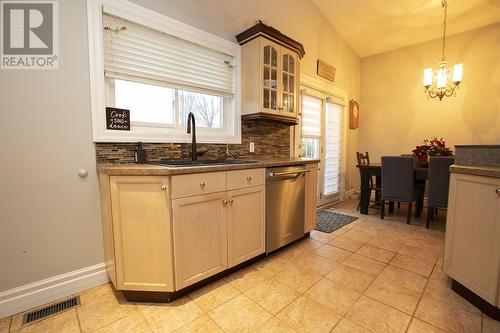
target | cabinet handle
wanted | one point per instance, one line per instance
(231, 201)
(164, 187)
(281, 108)
(202, 184)
(498, 191)
(249, 178)
(225, 202)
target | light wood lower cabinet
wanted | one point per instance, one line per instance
(141, 225)
(200, 237)
(472, 249)
(164, 233)
(246, 224)
(311, 196)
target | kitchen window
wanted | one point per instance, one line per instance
(161, 69)
(166, 107)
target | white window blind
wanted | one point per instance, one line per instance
(333, 142)
(142, 54)
(311, 116)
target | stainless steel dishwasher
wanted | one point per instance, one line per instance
(285, 205)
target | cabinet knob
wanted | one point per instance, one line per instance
(164, 187)
(497, 191)
(231, 201)
(249, 178)
(225, 202)
(202, 184)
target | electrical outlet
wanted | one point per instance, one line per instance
(252, 147)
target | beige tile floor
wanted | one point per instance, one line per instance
(370, 276)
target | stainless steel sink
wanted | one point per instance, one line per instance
(184, 163)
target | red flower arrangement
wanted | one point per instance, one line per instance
(434, 147)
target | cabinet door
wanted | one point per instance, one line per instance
(270, 67)
(246, 224)
(200, 237)
(472, 249)
(311, 196)
(142, 233)
(289, 81)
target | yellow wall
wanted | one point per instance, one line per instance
(395, 113)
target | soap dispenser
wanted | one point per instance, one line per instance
(140, 154)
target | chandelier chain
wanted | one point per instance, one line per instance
(444, 3)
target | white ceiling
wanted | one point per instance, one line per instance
(375, 26)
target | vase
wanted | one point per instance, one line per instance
(422, 163)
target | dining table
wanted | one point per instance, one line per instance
(375, 169)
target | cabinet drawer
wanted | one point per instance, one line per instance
(198, 183)
(245, 178)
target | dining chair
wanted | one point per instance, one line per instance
(363, 159)
(372, 185)
(419, 183)
(398, 183)
(439, 182)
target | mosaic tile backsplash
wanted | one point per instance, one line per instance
(271, 139)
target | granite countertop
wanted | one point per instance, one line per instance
(480, 160)
(478, 146)
(476, 170)
(157, 170)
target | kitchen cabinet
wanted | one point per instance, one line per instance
(270, 74)
(200, 237)
(246, 224)
(311, 197)
(198, 183)
(216, 231)
(141, 228)
(165, 233)
(472, 247)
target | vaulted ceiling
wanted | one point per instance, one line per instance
(375, 26)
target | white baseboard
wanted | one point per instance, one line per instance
(347, 194)
(38, 293)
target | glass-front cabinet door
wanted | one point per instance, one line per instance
(289, 82)
(270, 77)
(280, 68)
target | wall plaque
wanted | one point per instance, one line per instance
(325, 70)
(117, 119)
(353, 114)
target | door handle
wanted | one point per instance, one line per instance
(277, 174)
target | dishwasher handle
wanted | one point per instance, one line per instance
(285, 173)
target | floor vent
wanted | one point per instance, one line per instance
(50, 310)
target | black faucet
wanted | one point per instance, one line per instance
(193, 135)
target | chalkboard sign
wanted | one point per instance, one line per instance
(117, 119)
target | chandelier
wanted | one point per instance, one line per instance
(444, 81)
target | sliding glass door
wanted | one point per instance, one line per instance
(321, 132)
